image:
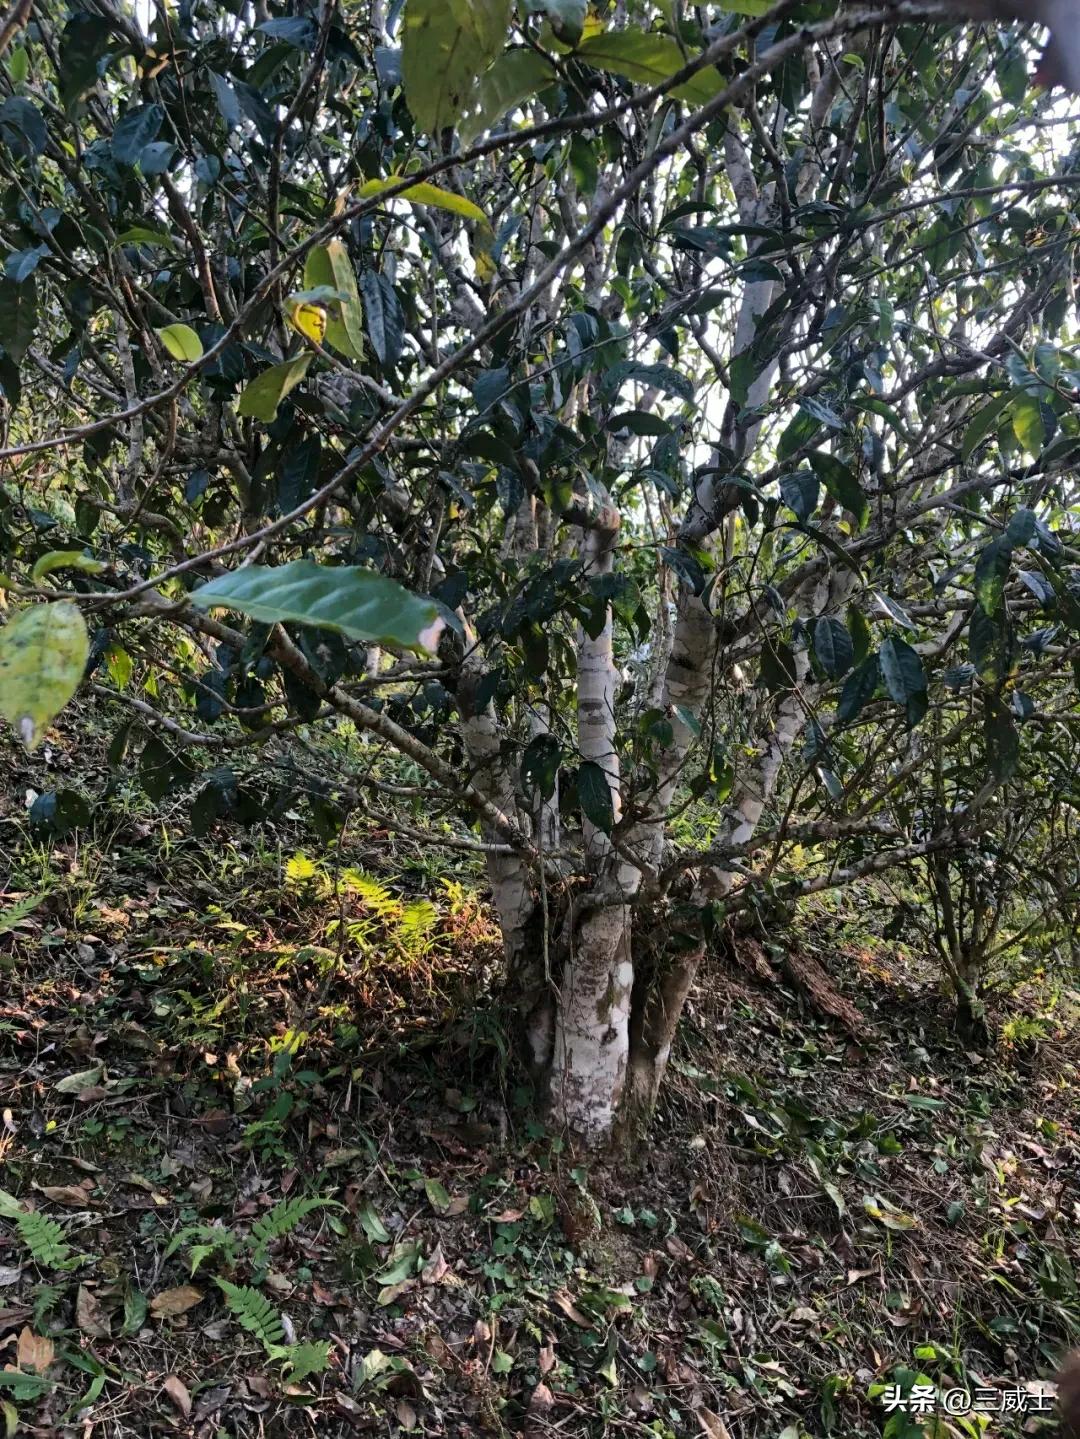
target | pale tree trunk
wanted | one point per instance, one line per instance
(592, 1029)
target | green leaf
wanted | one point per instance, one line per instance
(896, 612)
(24, 1387)
(66, 560)
(660, 377)
(18, 316)
(833, 646)
(15, 913)
(145, 235)
(991, 570)
(566, 17)
(371, 1224)
(328, 267)
(1027, 423)
(446, 45)
(437, 1196)
(777, 670)
(840, 482)
(859, 688)
(1002, 739)
(134, 131)
(1021, 529)
(43, 653)
(255, 1313)
(540, 764)
(359, 604)
(404, 1262)
(798, 433)
(385, 324)
(801, 492)
(424, 194)
(182, 342)
(513, 78)
(859, 630)
(594, 796)
(902, 670)
(982, 426)
(260, 399)
(648, 59)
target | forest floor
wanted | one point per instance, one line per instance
(265, 1169)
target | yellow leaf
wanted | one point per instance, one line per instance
(308, 320)
(424, 194)
(330, 265)
(43, 653)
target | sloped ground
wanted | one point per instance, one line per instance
(198, 1036)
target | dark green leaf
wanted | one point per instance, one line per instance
(359, 604)
(840, 482)
(540, 764)
(18, 316)
(801, 493)
(833, 646)
(1002, 739)
(382, 316)
(859, 688)
(901, 669)
(594, 796)
(134, 130)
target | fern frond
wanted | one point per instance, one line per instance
(371, 893)
(213, 1240)
(18, 911)
(305, 1359)
(45, 1240)
(256, 1314)
(418, 919)
(284, 1217)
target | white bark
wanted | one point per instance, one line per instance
(592, 1036)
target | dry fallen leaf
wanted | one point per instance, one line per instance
(406, 1414)
(89, 1315)
(436, 1268)
(854, 1275)
(546, 1359)
(171, 1302)
(541, 1399)
(713, 1425)
(566, 1304)
(74, 1083)
(73, 1195)
(34, 1352)
(177, 1391)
